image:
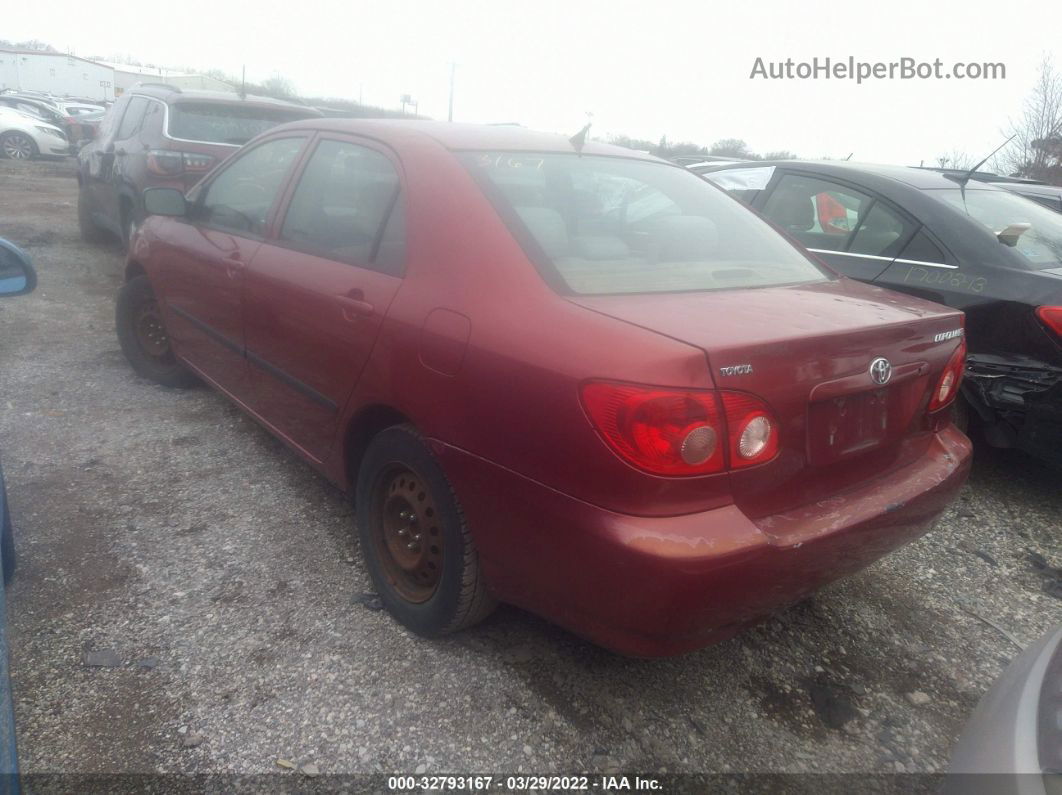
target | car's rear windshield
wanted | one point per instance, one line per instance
(1040, 245)
(609, 225)
(221, 123)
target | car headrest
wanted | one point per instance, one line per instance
(794, 210)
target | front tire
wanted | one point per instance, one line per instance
(416, 544)
(143, 336)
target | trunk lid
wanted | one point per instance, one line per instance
(807, 351)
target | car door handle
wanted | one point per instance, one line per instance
(354, 307)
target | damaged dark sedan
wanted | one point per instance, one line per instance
(967, 244)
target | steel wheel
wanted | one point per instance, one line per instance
(18, 146)
(405, 530)
(150, 332)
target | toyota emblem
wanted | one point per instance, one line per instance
(880, 371)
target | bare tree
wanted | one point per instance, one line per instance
(956, 159)
(1034, 152)
(731, 147)
(31, 44)
(278, 86)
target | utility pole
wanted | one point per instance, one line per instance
(450, 114)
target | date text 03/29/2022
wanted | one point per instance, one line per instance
(524, 783)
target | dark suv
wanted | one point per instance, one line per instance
(161, 136)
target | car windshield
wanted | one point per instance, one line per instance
(609, 225)
(1040, 245)
(220, 123)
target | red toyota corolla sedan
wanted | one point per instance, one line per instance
(587, 383)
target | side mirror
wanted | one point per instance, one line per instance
(165, 201)
(17, 276)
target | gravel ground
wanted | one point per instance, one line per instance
(222, 575)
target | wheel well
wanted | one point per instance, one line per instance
(134, 269)
(366, 424)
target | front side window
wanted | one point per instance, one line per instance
(222, 123)
(1040, 245)
(343, 201)
(818, 213)
(240, 197)
(610, 225)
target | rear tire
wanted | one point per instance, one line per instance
(143, 337)
(414, 539)
(18, 146)
(90, 233)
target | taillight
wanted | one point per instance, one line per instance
(681, 432)
(168, 163)
(194, 162)
(948, 385)
(1051, 316)
(753, 432)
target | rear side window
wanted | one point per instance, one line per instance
(922, 249)
(341, 207)
(609, 225)
(882, 233)
(820, 214)
(240, 197)
(221, 123)
(134, 113)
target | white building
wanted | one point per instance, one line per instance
(55, 73)
(126, 76)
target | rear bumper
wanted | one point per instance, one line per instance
(656, 586)
(1020, 399)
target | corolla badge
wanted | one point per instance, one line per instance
(880, 371)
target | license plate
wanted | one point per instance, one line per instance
(851, 424)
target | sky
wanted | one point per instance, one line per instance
(640, 69)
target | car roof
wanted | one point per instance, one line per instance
(460, 136)
(982, 176)
(920, 178)
(168, 93)
(1039, 189)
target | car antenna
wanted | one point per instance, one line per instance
(243, 83)
(969, 174)
(578, 141)
(849, 155)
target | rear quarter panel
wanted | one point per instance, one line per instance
(515, 398)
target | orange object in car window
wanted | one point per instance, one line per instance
(833, 217)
